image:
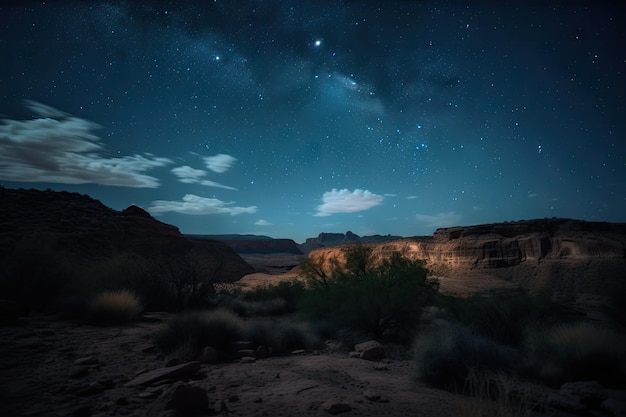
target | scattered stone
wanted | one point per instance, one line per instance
(381, 367)
(335, 407)
(370, 351)
(208, 355)
(246, 352)
(375, 397)
(248, 359)
(77, 371)
(184, 398)
(298, 352)
(88, 360)
(589, 393)
(175, 372)
(355, 355)
(262, 352)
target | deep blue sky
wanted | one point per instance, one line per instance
(290, 118)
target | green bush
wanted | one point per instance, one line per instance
(503, 316)
(444, 356)
(576, 352)
(372, 298)
(244, 308)
(290, 292)
(113, 307)
(191, 331)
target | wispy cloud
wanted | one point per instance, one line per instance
(439, 219)
(189, 175)
(196, 205)
(220, 163)
(346, 201)
(56, 147)
(262, 222)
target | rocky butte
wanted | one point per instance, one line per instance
(560, 255)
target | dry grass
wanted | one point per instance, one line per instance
(498, 395)
(115, 307)
(577, 351)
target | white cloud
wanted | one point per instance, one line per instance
(219, 163)
(189, 175)
(346, 201)
(196, 205)
(439, 220)
(262, 223)
(56, 147)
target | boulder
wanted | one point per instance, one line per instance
(208, 355)
(370, 351)
(186, 399)
(589, 393)
(179, 371)
(335, 407)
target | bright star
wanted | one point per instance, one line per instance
(318, 42)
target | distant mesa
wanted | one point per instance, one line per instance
(337, 239)
(249, 244)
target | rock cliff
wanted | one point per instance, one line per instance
(557, 254)
(256, 244)
(82, 229)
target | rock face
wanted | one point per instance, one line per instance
(559, 254)
(264, 246)
(78, 228)
(336, 239)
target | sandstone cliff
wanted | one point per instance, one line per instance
(567, 256)
(247, 244)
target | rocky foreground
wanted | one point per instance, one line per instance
(67, 368)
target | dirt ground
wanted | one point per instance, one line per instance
(41, 375)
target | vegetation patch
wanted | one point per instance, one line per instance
(113, 307)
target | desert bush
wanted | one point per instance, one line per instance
(291, 292)
(445, 355)
(283, 336)
(111, 307)
(576, 352)
(372, 297)
(193, 330)
(503, 316)
(272, 307)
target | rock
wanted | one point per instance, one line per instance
(179, 371)
(568, 404)
(262, 352)
(614, 407)
(77, 371)
(298, 352)
(241, 344)
(186, 399)
(248, 359)
(335, 407)
(589, 393)
(246, 352)
(88, 360)
(370, 351)
(355, 355)
(208, 355)
(375, 397)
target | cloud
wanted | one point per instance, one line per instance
(263, 223)
(196, 205)
(439, 220)
(532, 195)
(345, 201)
(56, 147)
(189, 175)
(219, 163)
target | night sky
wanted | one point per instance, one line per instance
(288, 118)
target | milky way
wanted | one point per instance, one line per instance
(291, 118)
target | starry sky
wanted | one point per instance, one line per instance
(288, 118)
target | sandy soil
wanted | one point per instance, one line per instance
(39, 377)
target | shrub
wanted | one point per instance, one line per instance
(444, 356)
(370, 298)
(576, 352)
(273, 307)
(281, 335)
(112, 307)
(191, 331)
(504, 316)
(290, 292)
